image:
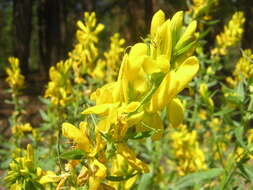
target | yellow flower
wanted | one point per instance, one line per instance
(175, 112)
(157, 20)
(59, 88)
(80, 137)
(120, 167)
(98, 174)
(244, 67)
(231, 35)
(85, 52)
(187, 153)
(202, 7)
(150, 77)
(22, 128)
(15, 79)
(23, 169)
(151, 121)
(130, 156)
(203, 89)
(173, 83)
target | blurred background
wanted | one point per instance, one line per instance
(41, 32)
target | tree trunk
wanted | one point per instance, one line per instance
(52, 31)
(148, 14)
(22, 19)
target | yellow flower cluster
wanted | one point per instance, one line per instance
(59, 88)
(84, 59)
(24, 174)
(150, 77)
(231, 35)
(201, 6)
(243, 68)
(15, 79)
(111, 64)
(22, 128)
(85, 52)
(190, 158)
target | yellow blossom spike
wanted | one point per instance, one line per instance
(15, 79)
(186, 150)
(175, 112)
(231, 35)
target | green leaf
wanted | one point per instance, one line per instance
(184, 48)
(197, 177)
(249, 172)
(44, 115)
(250, 107)
(145, 182)
(76, 154)
(156, 78)
(141, 135)
(239, 136)
(240, 91)
(120, 178)
(223, 112)
(44, 100)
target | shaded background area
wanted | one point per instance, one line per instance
(42, 32)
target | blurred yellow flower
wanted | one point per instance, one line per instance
(187, 153)
(15, 79)
(231, 35)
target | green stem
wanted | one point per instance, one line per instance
(148, 95)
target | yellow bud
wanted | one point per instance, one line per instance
(187, 35)
(176, 25)
(30, 153)
(157, 20)
(203, 89)
(175, 112)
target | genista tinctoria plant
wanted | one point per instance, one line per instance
(25, 174)
(150, 77)
(16, 82)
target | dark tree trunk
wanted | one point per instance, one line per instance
(248, 27)
(22, 19)
(89, 5)
(52, 31)
(135, 13)
(148, 13)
